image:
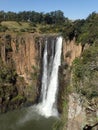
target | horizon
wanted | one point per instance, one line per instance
(72, 9)
(48, 12)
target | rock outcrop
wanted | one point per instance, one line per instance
(76, 112)
(81, 111)
(71, 50)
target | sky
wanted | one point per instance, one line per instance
(73, 9)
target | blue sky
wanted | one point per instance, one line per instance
(73, 9)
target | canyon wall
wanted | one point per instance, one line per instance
(71, 50)
(77, 109)
(25, 54)
(23, 50)
(19, 54)
(22, 54)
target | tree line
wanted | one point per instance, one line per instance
(54, 17)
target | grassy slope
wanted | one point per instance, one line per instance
(18, 26)
(14, 26)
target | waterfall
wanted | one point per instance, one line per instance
(49, 90)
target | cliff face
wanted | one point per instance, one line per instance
(70, 51)
(81, 112)
(80, 98)
(21, 53)
(68, 102)
(25, 55)
(76, 112)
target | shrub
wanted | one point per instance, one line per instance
(85, 73)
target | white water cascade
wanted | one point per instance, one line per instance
(51, 62)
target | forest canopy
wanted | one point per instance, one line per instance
(32, 16)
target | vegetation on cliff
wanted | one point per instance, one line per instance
(15, 91)
(8, 88)
(85, 73)
(85, 82)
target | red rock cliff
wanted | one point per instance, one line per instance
(71, 50)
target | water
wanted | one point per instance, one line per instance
(48, 105)
(25, 119)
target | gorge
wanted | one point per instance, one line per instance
(41, 61)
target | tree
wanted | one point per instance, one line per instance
(2, 16)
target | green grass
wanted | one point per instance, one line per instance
(18, 26)
(14, 26)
